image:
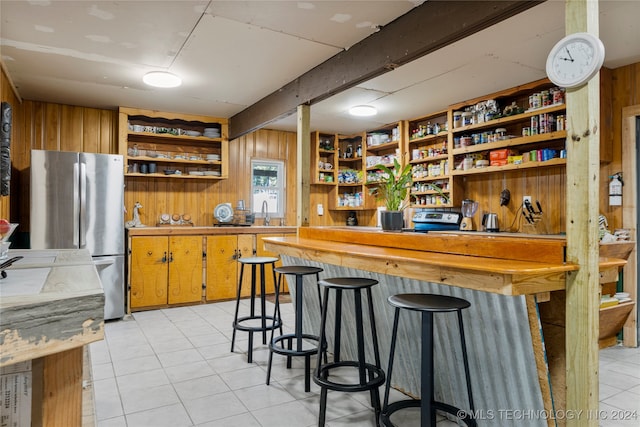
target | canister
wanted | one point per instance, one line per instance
(467, 118)
(467, 163)
(536, 100)
(542, 123)
(457, 119)
(558, 96)
(534, 125)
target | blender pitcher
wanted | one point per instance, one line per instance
(468, 210)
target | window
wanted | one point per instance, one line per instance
(267, 184)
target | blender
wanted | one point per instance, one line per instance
(468, 210)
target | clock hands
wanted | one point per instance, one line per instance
(570, 58)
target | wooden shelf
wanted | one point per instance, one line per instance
(525, 165)
(509, 119)
(381, 147)
(512, 142)
(171, 143)
(171, 176)
(437, 158)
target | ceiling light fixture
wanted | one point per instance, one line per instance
(363, 110)
(162, 79)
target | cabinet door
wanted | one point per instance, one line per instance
(246, 248)
(149, 271)
(260, 251)
(185, 269)
(222, 267)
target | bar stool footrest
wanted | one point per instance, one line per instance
(274, 323)
(385, 417)
(376, 377)
(293, 352)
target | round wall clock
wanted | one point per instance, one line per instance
(575, 59)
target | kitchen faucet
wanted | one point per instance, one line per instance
(265, 213)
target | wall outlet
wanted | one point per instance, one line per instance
(526, 199)
(320, 209)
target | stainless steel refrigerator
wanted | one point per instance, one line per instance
(77, 201)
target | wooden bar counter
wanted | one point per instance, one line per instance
(505, 277)
(52, 305)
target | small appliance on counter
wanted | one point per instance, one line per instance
(468, 209)
(242, 216)
(490, 222)
(425, 220)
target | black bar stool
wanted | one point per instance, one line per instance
(298, 336)
(248, 323)
(370, 375)
(427, 304)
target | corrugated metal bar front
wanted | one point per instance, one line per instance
(503, 369)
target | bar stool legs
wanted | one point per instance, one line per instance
(428, 305)
(370, 375)
(247, 323)
(298, 336)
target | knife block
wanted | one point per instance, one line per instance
(539, 225)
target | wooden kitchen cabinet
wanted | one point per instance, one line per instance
(165, 270)
(222, 265)
(181, 265)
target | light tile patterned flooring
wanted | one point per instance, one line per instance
(174, 368)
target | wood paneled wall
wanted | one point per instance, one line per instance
(51, 126)
(624, 87)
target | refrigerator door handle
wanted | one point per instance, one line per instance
(83, 205)
(76, 204)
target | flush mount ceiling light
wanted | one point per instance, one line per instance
(162, 79)
(363, 110)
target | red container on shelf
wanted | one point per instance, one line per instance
(499, 154)
(498, 162)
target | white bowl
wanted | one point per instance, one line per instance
(192, 133)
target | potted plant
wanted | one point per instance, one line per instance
(392, 189)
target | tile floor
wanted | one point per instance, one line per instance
(174, 368)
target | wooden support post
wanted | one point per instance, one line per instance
(630, 145)
(57, 389)
(582, 198)
(303, 165)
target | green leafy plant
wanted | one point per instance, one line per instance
(393, 186)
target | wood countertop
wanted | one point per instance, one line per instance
(61, 310)
(505, 265)
(207, 231)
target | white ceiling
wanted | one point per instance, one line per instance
(231, 54)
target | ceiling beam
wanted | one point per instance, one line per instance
(426, 28)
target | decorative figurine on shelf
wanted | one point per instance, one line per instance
(352, 219)
(135, 222)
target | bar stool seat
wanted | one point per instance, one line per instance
(370, 375)
(299, 337)
(427, 305)
(248, 323)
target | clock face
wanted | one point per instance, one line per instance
(575, 59)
